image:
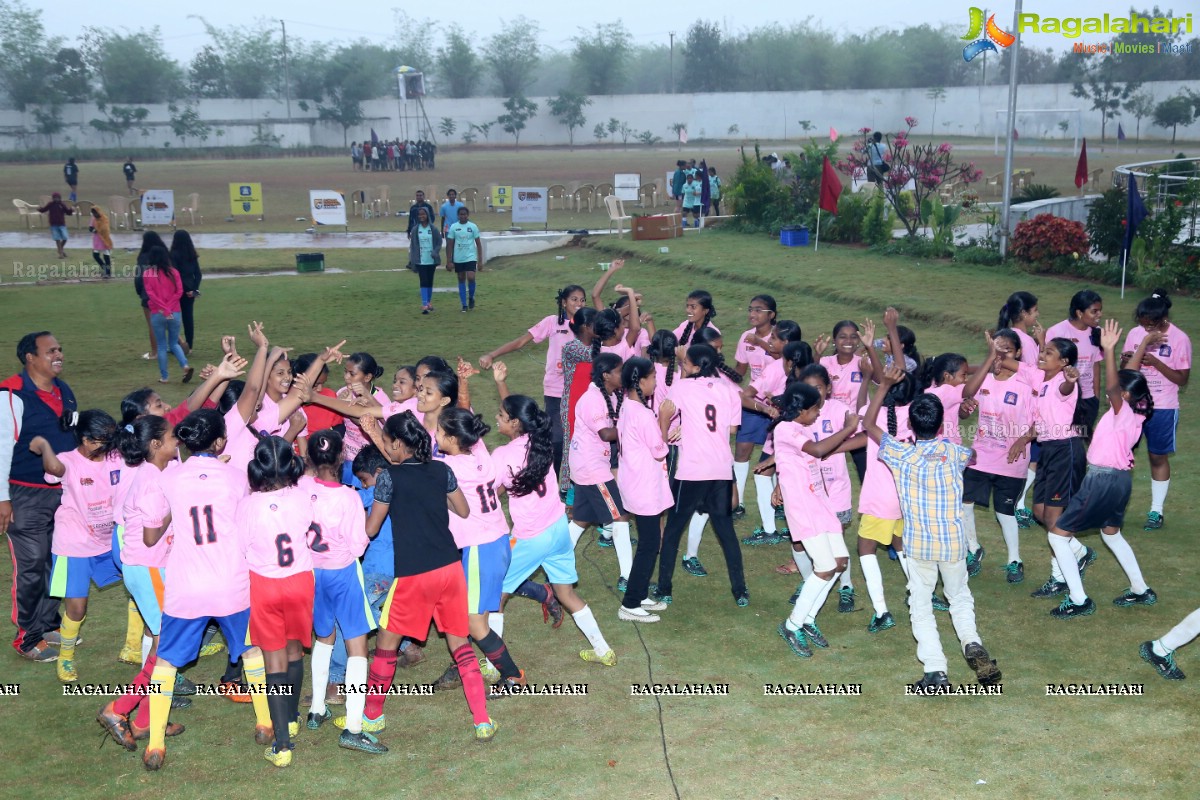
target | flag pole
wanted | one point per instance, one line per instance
(1124, 262)
(817, 239)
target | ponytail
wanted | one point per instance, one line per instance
(561, 300)
(631, 376)
(133, 441)
(539, 455)
(607, 362)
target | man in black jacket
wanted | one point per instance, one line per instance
(419, 204)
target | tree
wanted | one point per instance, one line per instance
(706, 59)
(1105, 94)
(567, 108)
(1176, 111)
(120, 120)
(414, 41)
(24, 65)
(206, 74)
(648, 138)
(626, 131)
(457, 64)
(1140, 105)
(49, 121)
(483, 128)
(678, 128)
(132, 67)
(308, 63)
(518, 110)
(599, 58)
(356, 72)
(513, 55)
(70, 79)
(600, 133)
(187, 124)
(447, 126)
(935, 94)
(252, 59)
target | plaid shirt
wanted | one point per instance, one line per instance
(929, 481)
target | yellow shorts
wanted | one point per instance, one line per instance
(880, 530)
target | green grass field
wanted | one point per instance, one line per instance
(609, 744)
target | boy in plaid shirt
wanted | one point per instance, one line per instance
(928, 477)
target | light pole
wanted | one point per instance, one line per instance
(287, 81)
(1014, 53)
(672, 35)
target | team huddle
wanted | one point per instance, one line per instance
(308, 518)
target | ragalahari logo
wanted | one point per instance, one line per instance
(992, 35)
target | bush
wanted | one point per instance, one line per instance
(847, 226)
(913, 246)
(875, 229)
(1047, 241)
(1035, 191)
(987, 256)
(1106, 223)
(760, 200)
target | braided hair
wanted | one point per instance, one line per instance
(632, 373)
(901, 394)
(711, 336)
(797, 398)
(605, 325)
(799, 355)
(1140, 400)
(931, 371)
(561, 300)
(607, 362)
(406, 429)
(539, 454)
(133, 441)
(663, 345)
(704, 299)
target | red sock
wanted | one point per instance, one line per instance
(472, 682)
(142, 720)
(379, 680)
(129, 701)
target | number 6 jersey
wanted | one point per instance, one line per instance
(275, 530)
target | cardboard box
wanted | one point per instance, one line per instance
(663, 226)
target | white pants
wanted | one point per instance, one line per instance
(922, 578)
(825, 549)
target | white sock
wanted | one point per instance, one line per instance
(813, 589)
(740, 470)
(819, 603)
(1128, 561)
(1077, 550)
(763, 487)
(1030, 475)
(495, 621)
(1180, 635)
(874, 580)
(695, 531)
(605, 530)
(803, 563)
(588, 627)
(969, 524)
(356, 701)
(575, 532)
(902, 560)
(321, 655)
(624, 548)
(1012, 537)
(1158, 494)
(1070, 568)
(147, 646)
(844, 581)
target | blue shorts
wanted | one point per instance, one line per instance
(551, 549)
(145, 586)
(72, 576)
(341, 595)
(1035, 453)
(485, 566)
(58, 233)
(753, 428)
(179, 639)
(1159, 431)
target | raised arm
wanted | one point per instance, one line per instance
(292, 402)
(975, 382)
(500, 375)
(598, 289)
(50, 463)
(1110, 335)
(891, 376)
(257, 374)
(891, 320)
(230, 367)
(868, 340)
(465, 371)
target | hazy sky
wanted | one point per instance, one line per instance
(327, 20)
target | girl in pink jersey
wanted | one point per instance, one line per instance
(1163, 353)
(83, 524)
(709, 415)
(700, 312)
(1082, 327)
(753, 354)
(845, 375)
(642, 480)
(1020, 314)
(360, 376)
(1104, 495)
(628, 306)
(945, 377)
(661, 352)
(403, 398)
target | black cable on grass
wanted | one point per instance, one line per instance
(637, 628)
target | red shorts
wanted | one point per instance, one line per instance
(281, 609)
(439, 595)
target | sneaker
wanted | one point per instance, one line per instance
(604, 541)
(424, 310)
(932, 681)
(761, 537)
(783, 533)
(1154, 521)
(975, 562)
(608, 659)
(294, 727)
(489, 673)
(1086, 560)
(552, 609)
(1128, 598)
(984, 665)
(1051, 588)
(65, 667)
(181, 702)
(692, 566)
(211, 649)
(1024, 517)
(636, 615)
(139, 734)
(471, 304)
(43, 653)
(1068, 610)
(742, 599)
(939, 603)
(814, 635)
(183, 687)
(881, 622)
(369, 725)
(622, 585)
(795, 640)
(128, 655)
(315, 721)
(154, 759)
(738, 512)
(464, 309)
(54, 639)
(845, 600)
(653, 605)
(361, 741)
(117, 726)
(280, 758)
(236, 691)
(1164, 665)
(507, 686)
(665, 599)
(796, 594)
(1016, 572)
(486, 731)
(450, 680)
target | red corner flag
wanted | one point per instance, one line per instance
(831, 188)
(1081, 170)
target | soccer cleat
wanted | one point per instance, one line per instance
(653, 605)
(1128, 599)
(1086, 560)
(236, 691)
(486, 731)
(845, 600)
(795, 640)
(881, 622)
(361, 741)
(1163, 665)
(265, 734)
(659, 598)
(1068, 610)
(369, 725)
(939, 603)
(761, 537)
(742, 599)
(65, 667)
(450, 679)
(984, 665)
(1154, 521)
(212, 648)
(1024, 517)
(552, 609)
(608, 659)
(117, 726)
(154, 759)
(315, 721)
(181, 702)
(622, 585)
(604, 541)
(408, 657)
(183, 687)
(489, 673)
(796, 594)
(279, 758)
(814, 635)
(294, 728)
(975, 562)
(54, 639)
(1016, 572)
(1051, 588)
(636, 615)
(931, 682)
(138, 734)
(692, 566)
(129, 655)
(738, 512)
(507, 686)
(783, 533)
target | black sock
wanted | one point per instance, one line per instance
(280, 706)
(493, 647)
(233, 671)
(534, 591)
(295, 674)
(99, 261)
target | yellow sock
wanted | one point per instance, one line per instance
(256, 679)
(69, 631)
(162, 682)
(134, 627)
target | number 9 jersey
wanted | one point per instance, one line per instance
(708, 408)
(476, 475)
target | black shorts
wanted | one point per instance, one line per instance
(469, 266)
(600, 504)
(1060, 472)
(714, 498)
(1089, 409)
(981, 487)
(1100, 502)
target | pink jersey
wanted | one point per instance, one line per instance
(753, 356)
(771, 383)
(275, 531)
(391, 408)
(707, 411)
(207, 561)
(952, 399)
(240, 442)
(1175, 350)
(1054, 410)
(642, 341)
(589, 454)
(476, 474)
(268, 420)
(1006, 410)
(879, 497)
(833, 467)
(83, 523)
(123, 487)
(809, 510)
(1089, 354)
(338, 534)
(845, 379)
(355, 440)
(680, 328)
(622, 349)
(660, 384)
(642, 470)
(145, 506)
(537, 511)
(1114, 438)
(559, 333)
(1029, 348)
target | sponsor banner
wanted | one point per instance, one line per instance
(245, 199)
(158, 207)
(530, 204)
(326, 207)
(626, 186)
